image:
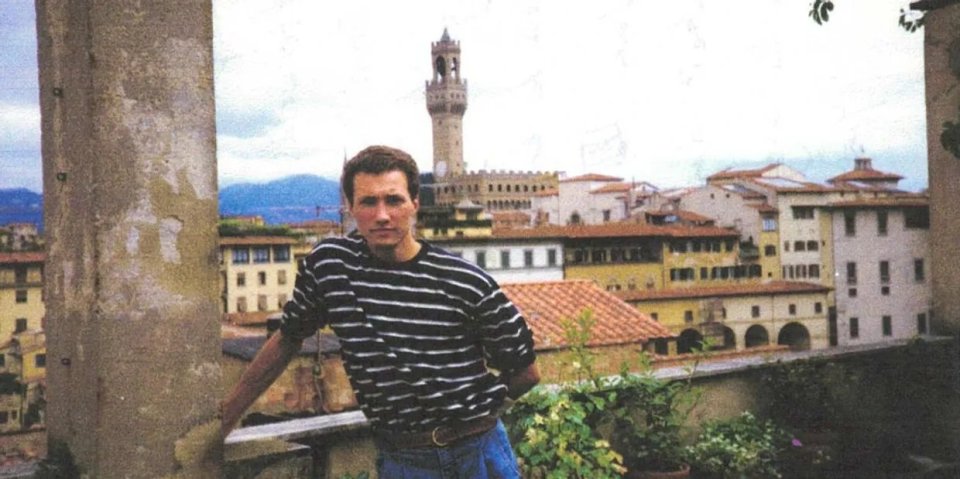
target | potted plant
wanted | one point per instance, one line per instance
(647, 421)
(743, 446)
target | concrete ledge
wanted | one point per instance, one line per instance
(331, 424)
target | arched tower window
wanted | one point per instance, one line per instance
(440, 65)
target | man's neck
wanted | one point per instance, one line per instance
(404, 251)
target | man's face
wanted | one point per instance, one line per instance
(385, 212)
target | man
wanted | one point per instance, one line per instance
(433, 348)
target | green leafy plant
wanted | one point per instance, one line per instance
(602, 426)
(739, 447)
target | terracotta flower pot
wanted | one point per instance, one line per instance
(682, 473)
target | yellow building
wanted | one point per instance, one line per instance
(21, 292)
(23, 371)
(256, 273)
(631, 256)
(741, 316)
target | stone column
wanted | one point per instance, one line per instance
(128, 139)
(942, 59)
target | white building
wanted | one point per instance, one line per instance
(881, 254)
(511, 256)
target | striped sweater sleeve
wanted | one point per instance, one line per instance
(303, 313)
(507, 341)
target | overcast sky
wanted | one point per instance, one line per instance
(666, 92)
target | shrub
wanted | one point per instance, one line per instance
(739, 447)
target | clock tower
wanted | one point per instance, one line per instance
(446, 101)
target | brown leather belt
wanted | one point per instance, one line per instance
(441, 436)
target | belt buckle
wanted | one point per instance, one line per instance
(436, 441)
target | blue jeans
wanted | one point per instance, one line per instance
(485, 456)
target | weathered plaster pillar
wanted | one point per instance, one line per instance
(942, 72)
(126, 95)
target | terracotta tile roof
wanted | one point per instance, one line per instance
(20, 257)
(765, 208)
(509, 215)
(863, 171)
(612, 188)
(887, 201)
(731, 174)
(743, 289)
(591, 177)
(546, 305)
(255, 240)
(617, 230)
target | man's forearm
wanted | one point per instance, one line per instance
(265, 368)
(522, 381)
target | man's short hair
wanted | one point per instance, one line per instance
(380, 159)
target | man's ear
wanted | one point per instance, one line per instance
(416, 203)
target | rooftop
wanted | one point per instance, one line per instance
(255, 240)
(745, 289)
(22, 257)
(591, 177)
(546, 305)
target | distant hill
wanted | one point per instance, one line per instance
(287, 200)
(20, 205)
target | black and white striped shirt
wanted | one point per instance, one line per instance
(417, 337)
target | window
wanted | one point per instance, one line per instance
(241, 279)
(261, 302)
(242, 304)
(678, 246)
(850, 223)
(20, 275)
(281, 301)
(921, 325)
(241, 255)
(4, 417)
(851, 273)
(887, 323)
(21, 296)
(261, 254)
(755, 311)
(21, 325)
(282, 277)
(802, 212)
(786, 246)
(854, 328)
(528, 258)
(792, 309)
(852, 292)
(606, 216)
(598, 256)
(281, 254)
(885, 290)
(505, 258)
(704, 272)
(40, 360)
(769, 224)
(551, 257)
(812, 245)
(769, 250)
(688, 316)
(655, 316)
(916, 218)
(813, 270)
(884, 272)
(881, 223)
(481, 259)
(799, 246)
(262, 278)
(918, 273)
(579, 256)
(616, 255)
(818, 308)
(3, 360)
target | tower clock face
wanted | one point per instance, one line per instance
(441, 168)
